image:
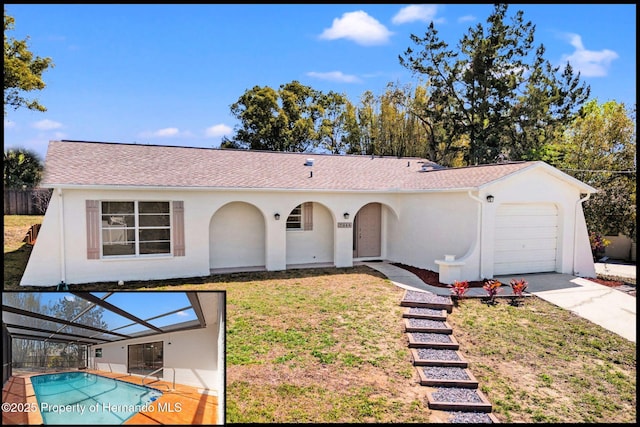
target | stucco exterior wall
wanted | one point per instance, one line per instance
(237, 236)
(49, 264)
(192, 354)
(237, 228)
(312, 246)
(44, 267)
(540, 186)
(72, 265)
(431, 225)
(195, 355)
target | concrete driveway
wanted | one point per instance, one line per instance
(610, 308)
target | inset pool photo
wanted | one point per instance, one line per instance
(91, 358)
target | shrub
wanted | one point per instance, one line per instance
(518, 286)
(492, 287)
(459, 288)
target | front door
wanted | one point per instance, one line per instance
(366, 231)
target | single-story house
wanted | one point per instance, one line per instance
(149, 212)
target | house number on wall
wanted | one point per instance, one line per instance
(345, 224)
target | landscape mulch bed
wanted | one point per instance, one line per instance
(432, 278)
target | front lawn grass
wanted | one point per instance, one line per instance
(328, 345)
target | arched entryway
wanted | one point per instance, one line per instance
(237, 238)
(310, 235)
(367, 231)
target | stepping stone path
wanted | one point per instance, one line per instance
(439, 362)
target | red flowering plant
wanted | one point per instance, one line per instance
(459, 288)
(517, 286)
(492, 287)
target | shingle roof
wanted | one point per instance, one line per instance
(77, 163)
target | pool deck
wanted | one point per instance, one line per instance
(184, 405)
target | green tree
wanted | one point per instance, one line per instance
(80, 311)
(284, 120)
(22, 167)
(261, 120)
(366, 117)
(22, 71)
(496, 93)
(599, 148)
(333, 131)
(353, 133)
(303, 109)
(27, 353)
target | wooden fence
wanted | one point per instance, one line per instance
(30, 201)
(32, 234)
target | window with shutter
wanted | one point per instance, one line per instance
(134, 228)
(301, 217)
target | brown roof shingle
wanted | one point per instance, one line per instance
(76, 163)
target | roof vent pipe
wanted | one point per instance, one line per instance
(308, 162)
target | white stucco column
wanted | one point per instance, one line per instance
(449, 269)
(276, 244)
(344, 244)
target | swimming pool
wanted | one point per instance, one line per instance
(84, 398)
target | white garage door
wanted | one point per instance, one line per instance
(526, 238)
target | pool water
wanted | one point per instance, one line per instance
(83, 398)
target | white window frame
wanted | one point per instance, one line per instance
(137, 228)
(300, 220)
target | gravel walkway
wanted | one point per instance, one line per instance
(431, 337)
(455, 394)
(427, 323)
(437, 354)
(417, 296)
(451, 373)
(470, 417)
(425, 311)
(445, 373)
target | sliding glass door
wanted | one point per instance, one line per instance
(146, 358)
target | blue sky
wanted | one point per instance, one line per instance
(167, 74)
(144, 305)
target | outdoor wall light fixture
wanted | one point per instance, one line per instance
(490, 198)
(277, 217)
(346, 215)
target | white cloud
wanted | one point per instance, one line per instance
(466, 18)
(182, 313)
(417, 12)
(167, 132)
(334, 76)
(359, 27)
(46, 125)
(589, 63)
(161, 133)
(218, 130)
